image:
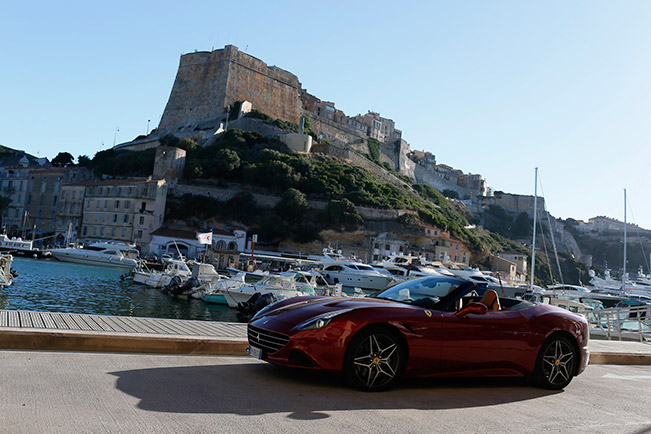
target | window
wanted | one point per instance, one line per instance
(115, 218)
(139, 234)
(124, 232)
(96, 217)
(101, 230)
(106, 204)
(142, 220)
(103, 217)
(97, 204)
(74, 193)
(63, 195)
(56, 187)
(112, 232)
(29, 199)
(127, 204)
(85, 230)
(117, 204)
(54, 201)
(43, 187)
(125, 219)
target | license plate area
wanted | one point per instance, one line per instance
(254, 352)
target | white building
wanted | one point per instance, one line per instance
(174, 241)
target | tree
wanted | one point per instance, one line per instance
(343, 214)
(292, 205)
(169, 140)
(63, 159)
(226, 160)
(450, 194)
(84, 161)
(188, 145)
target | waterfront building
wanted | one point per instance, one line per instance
(224, 244)
(382, 247)
(13, 185)
(518, 258)
(69, 213)
(445, 247)
(43, 193)
(123, 209)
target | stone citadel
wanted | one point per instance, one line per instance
(208, 85)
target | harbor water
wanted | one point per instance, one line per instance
(55, 286)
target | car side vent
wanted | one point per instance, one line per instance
(267, 340)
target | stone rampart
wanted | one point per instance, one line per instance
(207, 82)
(357, 160)
(424, 176)
(334, 132)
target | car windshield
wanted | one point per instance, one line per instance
(425, 292)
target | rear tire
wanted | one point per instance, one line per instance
(374, 360)
(556, 363)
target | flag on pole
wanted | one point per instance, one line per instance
(205, 238)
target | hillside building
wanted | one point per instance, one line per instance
(123, 209)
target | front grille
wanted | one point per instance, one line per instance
(268, 341)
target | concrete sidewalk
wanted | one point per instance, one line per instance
(109, 334)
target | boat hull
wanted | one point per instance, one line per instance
(87, 260)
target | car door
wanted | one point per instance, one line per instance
(495, 342)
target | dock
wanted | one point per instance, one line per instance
(105, 333)
(56, 331)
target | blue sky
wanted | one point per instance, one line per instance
(490, 87)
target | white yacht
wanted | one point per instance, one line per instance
(20, 247)
(352, 273)
(104, 253)
(284, 286)
(158, 279)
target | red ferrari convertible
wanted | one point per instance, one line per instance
(426, 327)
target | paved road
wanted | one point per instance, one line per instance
(88, 392)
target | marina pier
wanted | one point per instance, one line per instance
(53, 331)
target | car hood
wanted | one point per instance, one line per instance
(305, 308)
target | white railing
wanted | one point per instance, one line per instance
(622, 322)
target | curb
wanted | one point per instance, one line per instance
(138, 343)
(47, 340)
(603, 358)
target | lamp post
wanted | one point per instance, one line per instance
(148, 120)
(115, 136)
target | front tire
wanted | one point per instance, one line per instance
(374, 360)
(556, 363)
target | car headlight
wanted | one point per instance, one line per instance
(321, 321)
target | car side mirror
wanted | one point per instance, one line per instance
(477, 308)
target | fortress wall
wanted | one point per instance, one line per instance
(334, 132)
(357, 160)
(424, 176)
(206, 82)
(272, 90)
(199, 90)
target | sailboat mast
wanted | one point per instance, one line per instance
(624, 265)
(533, 243)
